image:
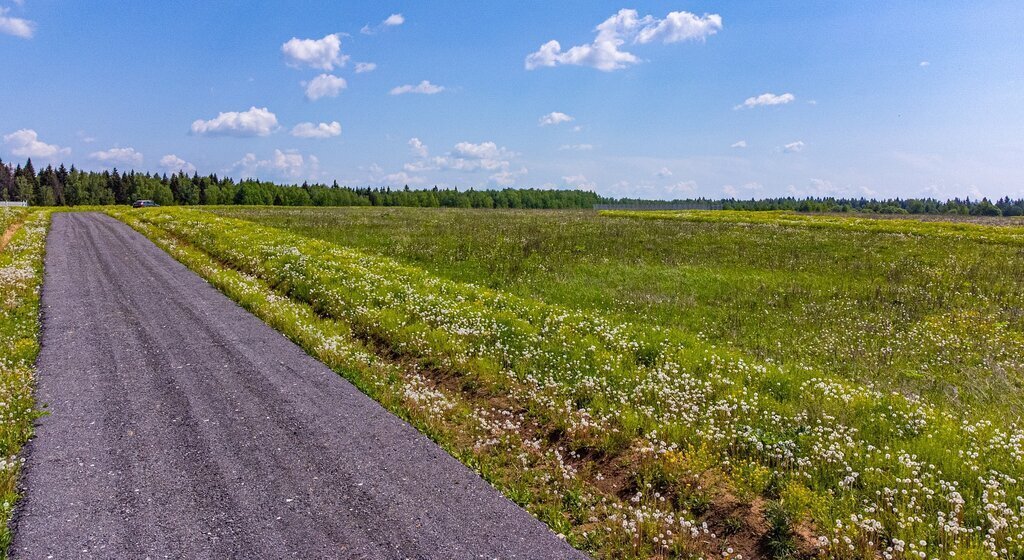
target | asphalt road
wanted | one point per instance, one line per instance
(181, 426)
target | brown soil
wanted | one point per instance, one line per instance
(8, 235)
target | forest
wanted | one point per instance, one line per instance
(61, 186)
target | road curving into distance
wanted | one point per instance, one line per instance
(182, 426)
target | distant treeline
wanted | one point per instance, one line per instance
(63, 187)
(981, 207)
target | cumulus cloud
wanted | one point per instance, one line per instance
(403, 178)
(173, 164)
(324, 53)
(254, 122)
(16, 26)
(394, 20)
(324, 85)
(605, 53)
(740, 144)
(681, 189)
(117, 156)
(794, 147)
(766, 99)
(742, 191)
(418, 147)
(678, 190)
(554, 118)
(362, 67)
(576, 147)
(579, 181)
(466, 157)
(322, 130)
(424, 87)
(26, 143)
(822, 187)
(664, 173)
(288, 164)
(924, 63)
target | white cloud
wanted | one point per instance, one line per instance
(466, 157)
(740, 144)
(482, 151)
(554, 118)
(173, 164)
(680, 26)
(324, 53)
(626, 26)
(26, 143)
(403, 178)
(424, 87)
(288, 164)
(324, 85)
(254, 122)
(925, 63)
(576, 147)
(766, 99)
(394, 20)
(16, 26)
(794, 147)
(418, 147)
(579, 182)
(117, 156)
(825, 188)
(322, 130)
(743, 191)
(507, 178)
(362, 67)
(664, 173)
(681, 189)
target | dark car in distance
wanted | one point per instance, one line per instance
(144, 204)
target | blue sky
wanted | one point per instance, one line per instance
(861, 99)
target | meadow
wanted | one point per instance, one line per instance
(933, 308)
(678, 385)
(22, 241)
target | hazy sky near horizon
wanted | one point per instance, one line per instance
(656, 99)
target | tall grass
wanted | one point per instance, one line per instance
(890, 303)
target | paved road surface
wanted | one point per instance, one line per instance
(181, 426)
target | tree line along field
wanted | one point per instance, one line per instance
(60, 186)
(670, 385)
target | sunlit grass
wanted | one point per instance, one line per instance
(21, 270)
(704, 419)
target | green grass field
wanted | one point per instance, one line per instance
(671, 384)
(929, 307)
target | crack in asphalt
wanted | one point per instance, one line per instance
(181, 426)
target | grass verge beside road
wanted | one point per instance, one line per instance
(21, 276)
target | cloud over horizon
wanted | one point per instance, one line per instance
(254, 122)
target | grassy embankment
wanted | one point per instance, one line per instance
(22, 242)
(627, 435)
